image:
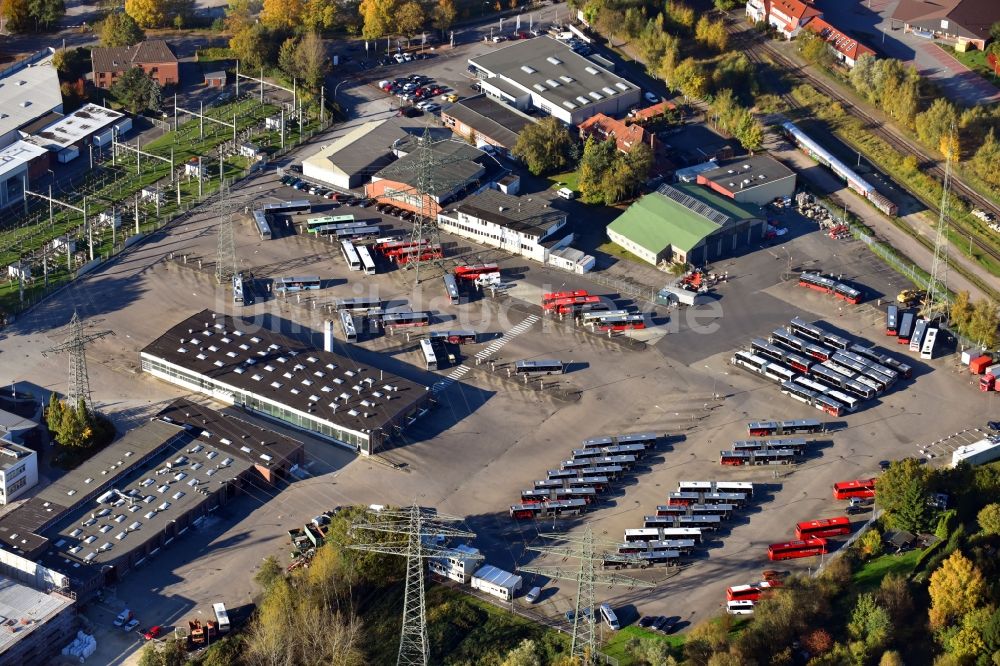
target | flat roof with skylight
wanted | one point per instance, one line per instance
(75, 127)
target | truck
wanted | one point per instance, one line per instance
(988, 382)
(123, 617)
(672, 294)
(222, 616)
(979, 364)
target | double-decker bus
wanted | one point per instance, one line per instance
(367, 262)
(263, 224)
(804, 329)
(873, 354)
(350, 254)
(548, 297)
(455, 337)
(238, 295)
(331, 221)
(553, 508)
(683, 546)
(861, 488)
(451, 288)
(930, 339)
(825, 527)
(347, 325)
(791, 427)
(795, 549)
(288, 285)
(917, 339)
(544, 367)
(471, 272)
(394, 320)
(430, 358)
(360, 303)
(648, 534)
(784, 338)
(647, 439)
(892, 320)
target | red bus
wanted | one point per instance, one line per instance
(863, 488)
(554, 296)
(751, 592)
(795, 549)
(826, 527)
(431, 252)
(569, 301)
(474, 271)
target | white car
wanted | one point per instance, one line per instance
(432, 108)
(651, 98)
(398, 58)
(407, 57)
(132, 624)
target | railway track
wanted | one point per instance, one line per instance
(877, 128)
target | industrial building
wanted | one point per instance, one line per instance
(352, 160)
(545, 74)
(29, 90)
(267, 373)
(459, 170)
(19, 163)
(486, 122)
(519, 225)
(686, 223)
(37, 623)
(120, 507)
(18, 470)
(754, 179)
(68, 135)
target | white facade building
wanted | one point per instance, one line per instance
(497, 582)
(459, 566)
(18, 470)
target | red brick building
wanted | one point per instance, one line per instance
(153, 56)
(602, 128)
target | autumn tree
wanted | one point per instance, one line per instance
(902, 492)
(870, 544)
(16, 15)
(281, 14)
(891, 658)
(689, 77)
(525, 654)
(545, 146)
(679, 14)
(986, 159)
(269, 572)
(305, 59)
(894, 595)
(727, 5)
(982, 326)
(252, 46)
(241, 14)
(147, 13)
(137, 91)
(71, 425)
(711, 33)
(989, 519)
(319, 15)
(814, 49)
(961, 310)
(938, 121)
(410, 18)
(598, 159)
(955, 587)
(379, 17)
(817, 641)
(120, 29)
(444, 14)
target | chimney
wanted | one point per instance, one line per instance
(328, 335)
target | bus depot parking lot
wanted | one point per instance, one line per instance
(492, 436)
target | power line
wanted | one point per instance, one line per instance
(76, 345)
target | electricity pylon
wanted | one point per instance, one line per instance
(76, 344)
(411, 532)
(225, 260)
(584, 548)
(936, 303)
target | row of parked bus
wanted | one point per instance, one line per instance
(830, 286)
(764, 451)
(572, 303)
(920, 335)
(810, 538)
(585, 476)
(820, 368)
(263, 217)
(371, 311)
(678, 526)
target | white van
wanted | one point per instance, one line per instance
(740, 607)
(608, 615)
(565, 193)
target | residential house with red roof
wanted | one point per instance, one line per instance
(787, 16)
(602, 128)
(846, 49)
(153, 56)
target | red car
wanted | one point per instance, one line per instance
(437, 91)
(153, 632)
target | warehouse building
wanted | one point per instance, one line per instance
(68, 135)
(38, 624)
(486, 122)
(267, 373)
(29, 90)
(545, 74)
(685, 223)
(755, 179)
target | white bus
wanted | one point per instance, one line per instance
(238, 297)
(347, 324)
(430, 358)
(539, 367)
(930, 338)
(451, 287)
(367, 263)
(221, 616)
(350, 255)
(917, 339)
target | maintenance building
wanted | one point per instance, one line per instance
(686, 223)
(266, 373)
(68, 135)
(754, 179)
(486, 122)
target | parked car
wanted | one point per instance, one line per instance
(651, 98)
(131, 625)
(659, 622)
(669, 624)
(153, 632)
(533, 595)
(993, 425)
(647, 621)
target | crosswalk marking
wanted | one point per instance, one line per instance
(488, 351)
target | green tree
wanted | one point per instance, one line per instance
(598, 160)
(937, 121)
(120, 29)
(727, 5)
(982, 327)
(870, 544)
(147, 13)
(46, 13)
(287, 61)
(269, 572)
(870, 622)
(410, 18)
(250, 45)
(989, 519)
(961, 311)
(891, 658)
(137, 91)
(749, 132)
(967, 642)
(863, 77)
(150, 656)
(689, 77)
(814, 49)
(544, 146)
(995, 31)
(902, 492)
(525, 654)
(54, 414)
(443, 15)
(955, 587)
(379, 17)
(650, 651)
(16, 14)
